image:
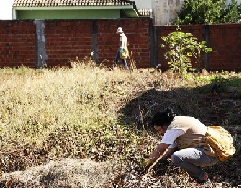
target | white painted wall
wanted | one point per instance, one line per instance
(143, 4)
(165, 10)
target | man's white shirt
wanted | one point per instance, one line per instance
(170, 137)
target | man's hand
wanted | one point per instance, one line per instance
(146, 162)
(145, 165)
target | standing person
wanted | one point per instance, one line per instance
(123, 47)
(186, 141)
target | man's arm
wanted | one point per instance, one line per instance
(168, 153)
(159, 151)
(167, 140)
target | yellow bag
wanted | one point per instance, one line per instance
(124, 53)
(221, 141)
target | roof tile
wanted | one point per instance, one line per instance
(55, 3)
(145, 12)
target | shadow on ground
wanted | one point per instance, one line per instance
(218, 103)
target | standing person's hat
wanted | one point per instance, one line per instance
(119, 30)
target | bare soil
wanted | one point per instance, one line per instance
(207, 103)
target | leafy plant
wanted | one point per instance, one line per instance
(181, 48)
(232, 13)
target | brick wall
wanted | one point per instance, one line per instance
(226, 43)
(17, 43)
(225, 40)
(67, 39)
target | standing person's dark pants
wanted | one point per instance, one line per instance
(117, 58)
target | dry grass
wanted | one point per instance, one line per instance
(101, 114)
(62, 173)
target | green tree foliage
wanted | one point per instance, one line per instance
(181, 48)
(208, 12)
(232, 13)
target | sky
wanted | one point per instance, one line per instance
(6, 9)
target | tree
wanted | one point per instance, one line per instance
(208, 12)
(232, 13)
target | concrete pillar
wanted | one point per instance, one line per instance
(41, 55)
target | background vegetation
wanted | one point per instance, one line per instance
(208, 12)
(91, 112)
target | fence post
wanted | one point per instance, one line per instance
(207, 39)
(41, 55)
(153, 45)
(94, 42)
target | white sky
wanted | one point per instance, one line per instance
(6, 9)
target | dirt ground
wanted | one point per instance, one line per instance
(83, 173)
(73, 173)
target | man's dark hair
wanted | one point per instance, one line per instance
(163, 118)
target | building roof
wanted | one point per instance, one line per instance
(145, 12)
(57, 3)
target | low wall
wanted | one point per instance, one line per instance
(56, 42)
(22, 42)
(225, 41)
(17, 43)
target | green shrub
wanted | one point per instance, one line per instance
(181, 48)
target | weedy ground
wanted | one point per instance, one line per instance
(87, 126)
